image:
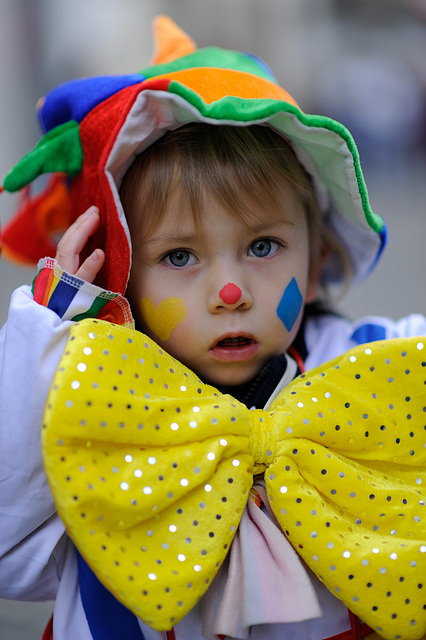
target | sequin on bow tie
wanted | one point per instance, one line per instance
(151, 469)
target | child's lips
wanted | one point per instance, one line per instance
(235, 348)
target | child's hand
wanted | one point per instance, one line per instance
(72, 243)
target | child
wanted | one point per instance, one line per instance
(219, 209)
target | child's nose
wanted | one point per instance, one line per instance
(230, 293)
(230, 296)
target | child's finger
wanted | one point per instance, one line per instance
(75, 238)
(91, 266)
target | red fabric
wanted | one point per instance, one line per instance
(30, 234)
(99, 130)
(297, 357)
(42, 286)
(48, 632)
(159, 84)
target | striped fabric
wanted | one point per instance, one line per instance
(74, 299)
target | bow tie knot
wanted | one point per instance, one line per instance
(261, 441)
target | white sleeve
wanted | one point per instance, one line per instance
(32, 538)
(328, 336)
(412, 325)
(31, 534)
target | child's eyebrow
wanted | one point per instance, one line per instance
(270, 224)
(257, 227)
(184, 239)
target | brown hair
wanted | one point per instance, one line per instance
(246, 168)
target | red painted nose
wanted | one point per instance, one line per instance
(230, 293)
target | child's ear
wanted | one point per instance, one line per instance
(315, 271)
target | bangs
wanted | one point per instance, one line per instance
(248, 170)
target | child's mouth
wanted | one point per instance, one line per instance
(241, 340)
(235, 348)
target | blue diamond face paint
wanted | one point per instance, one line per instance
(290, 305)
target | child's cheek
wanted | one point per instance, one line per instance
(290, 305)
(163, 319)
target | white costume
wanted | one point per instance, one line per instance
(38, 561)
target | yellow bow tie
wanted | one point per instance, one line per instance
(151, 469)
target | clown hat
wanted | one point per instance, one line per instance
(95, 127)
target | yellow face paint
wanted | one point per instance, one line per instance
(163, 319)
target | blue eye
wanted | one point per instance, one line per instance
(263, 248)
(179, 258)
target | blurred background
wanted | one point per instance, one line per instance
(361, 62)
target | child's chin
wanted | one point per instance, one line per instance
(231, 378)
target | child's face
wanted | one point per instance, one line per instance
(223, 299)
